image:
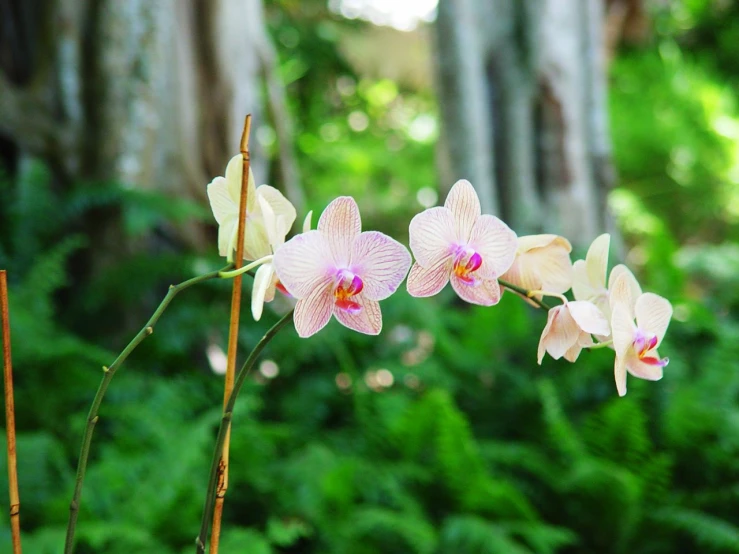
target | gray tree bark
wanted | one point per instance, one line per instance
(544, 158)
(146, 93)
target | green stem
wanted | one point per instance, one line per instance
(210, 497)
(108, 373)
(246, 268)
(525, 293)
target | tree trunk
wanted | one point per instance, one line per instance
(143, 93)
(544, 91)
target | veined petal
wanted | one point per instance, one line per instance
(223, 205)
(642, 370)
(340, 223)
(367, 320)
(529, 242)
(619, 372)
(484, 293)
(597, 260)
(631, 282)
(381, 262)
(280, 205)
(561, 332)
(313, 312)
(304, 263)
(432, 236)
(622, 293)
(623, 329)
(464, 204)
(653, 314)
(496, 243)
(226, 236)
(262, 280)
(234, 171)
(588, 317)
(256, 240)
(424, 282)
(553, 266)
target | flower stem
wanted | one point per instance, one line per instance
(233, 327)
(15, 503)
(108, 373)
(217, 463)
(240, 271)
(525, 293)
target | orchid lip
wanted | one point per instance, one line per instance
(466, 262)
(348, 284)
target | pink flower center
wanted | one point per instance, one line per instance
(347, 285)
(643, 344)
(466, 262)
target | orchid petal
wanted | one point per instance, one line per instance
(484, 293)
(307, 222)
(227, 236)
(234, 171)
(256, 240)
(304, 263)
(424, 282)
(582, 288)
(464, 204)
(653, 314)
(596, 260)
(432, 236)
(280, 205)
(643, 370)
(496, 243)
(223, 205)
(530, 242)
(619, 374)
(622, 293)
(382, 263)
(573, 353)
(523, 274)
(270, 222)
(313, 312)
(633, 284)
(367, 320)
(563, 333)
(623, 329)
(588, 317)
(340, 223)
(262, 281)
(541, 350)
(553, 266)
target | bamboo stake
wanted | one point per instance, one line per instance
(15, 503)
(233, 338)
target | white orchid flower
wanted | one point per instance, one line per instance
(224, 194)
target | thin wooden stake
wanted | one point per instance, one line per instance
(15, 503)
(233, 338)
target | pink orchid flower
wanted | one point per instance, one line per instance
(337, 269)
(636, 345)
(569, 328)
(456, 242)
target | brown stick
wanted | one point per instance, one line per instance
(233, 338)
(15, 503)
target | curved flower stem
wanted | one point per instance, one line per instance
(246, 268)
(108, 373)
(603, 344)
(525, 293)
(216, 463)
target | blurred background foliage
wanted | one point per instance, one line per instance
(444, 435)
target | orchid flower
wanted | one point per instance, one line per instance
(456, 242)
(636, 345)
(569, 328)
(224, 194)
(337, 269)
(542, 263)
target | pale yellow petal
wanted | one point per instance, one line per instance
(620, 375)
(622, 329)
(262, 281)
(280, 205)
(588, 317)
(529, 242)
(597, 260)
(308, 221)
(582, 289)
(653, 314)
